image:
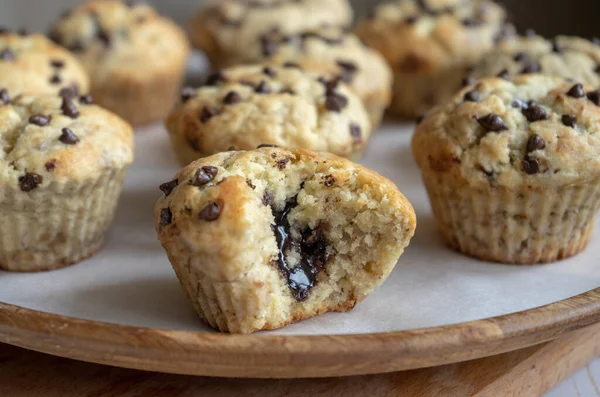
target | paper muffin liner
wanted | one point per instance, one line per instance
(57, 225)
(144, 100)
(523, 227)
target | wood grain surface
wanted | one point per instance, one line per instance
(269, 356)
(529, 372)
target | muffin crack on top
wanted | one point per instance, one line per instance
(245, 106)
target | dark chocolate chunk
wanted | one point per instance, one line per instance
(232, 98)
(556, 47)
(349, 69)
(69, 108)
(55, 79)
(570, 120)
(70, 91)
(86, 99)
(492, 123)
(335, 102)
(312, 248)
(4, 97)
(533, 67)
(471, 22)
(472, 96)
(30, 181)
(535, 142)
(211, 211)
(576, 91)
(40, 120)
(50, 165)
(530, 165)
(168, 187)
(504, 74)
(187, 93)
(6, 55)
(215, 79)
(594, 96)
(269, 71)
(68, 137)
(166, 217)
(328, 180)
(535, 113)
(204, 175)
(207, 113)
(355, 133)
(262, 88)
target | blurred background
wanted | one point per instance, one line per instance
(548, 17)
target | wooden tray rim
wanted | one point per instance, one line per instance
(285, 356)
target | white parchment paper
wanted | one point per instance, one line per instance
(131, 282)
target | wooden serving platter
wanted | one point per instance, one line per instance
(271, 356)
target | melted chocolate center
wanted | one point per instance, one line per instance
(312, 246)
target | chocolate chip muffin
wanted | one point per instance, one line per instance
(430, 45)
(333, 53)
(62, 164)
(263, 238)
(229, 30)
(32, 64)
(136, 59)
(246, 106)
(512, 168)
(565, 56)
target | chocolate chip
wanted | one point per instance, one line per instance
(535, 113)
(215, 79)
(472, 96)
(232, 149)
(504, 75)
(103, 35)
(518, 104)
(328, 180)
(492, 123)
(535, 142)
(533, 67)
(166, 217)
(50, 165)
(531, 165)
(55, 79)
(86, 99)
(269, 46)
(232, 98)
(594, 96)
(356, 133)
(68, 137)
(281, 164)
(269, 71)
(555, 47)
(187, 93)
(168, 187)
(262, 145)
(6, 55)
(70, 91)
(576, 91)
(597, 69)
(267, 200)
(4, 97)
(411, 20)
(204, 175)
(335, 102)
(30, 181)
(467, 81)
(40, 120)
(57, 63)
(68, 108)
(208, 112)
(292, 65)
(76, 46)
(471, 22)
(262, 88)
(349, 69)
(570, 120)
(520, 56)
(211, 211)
